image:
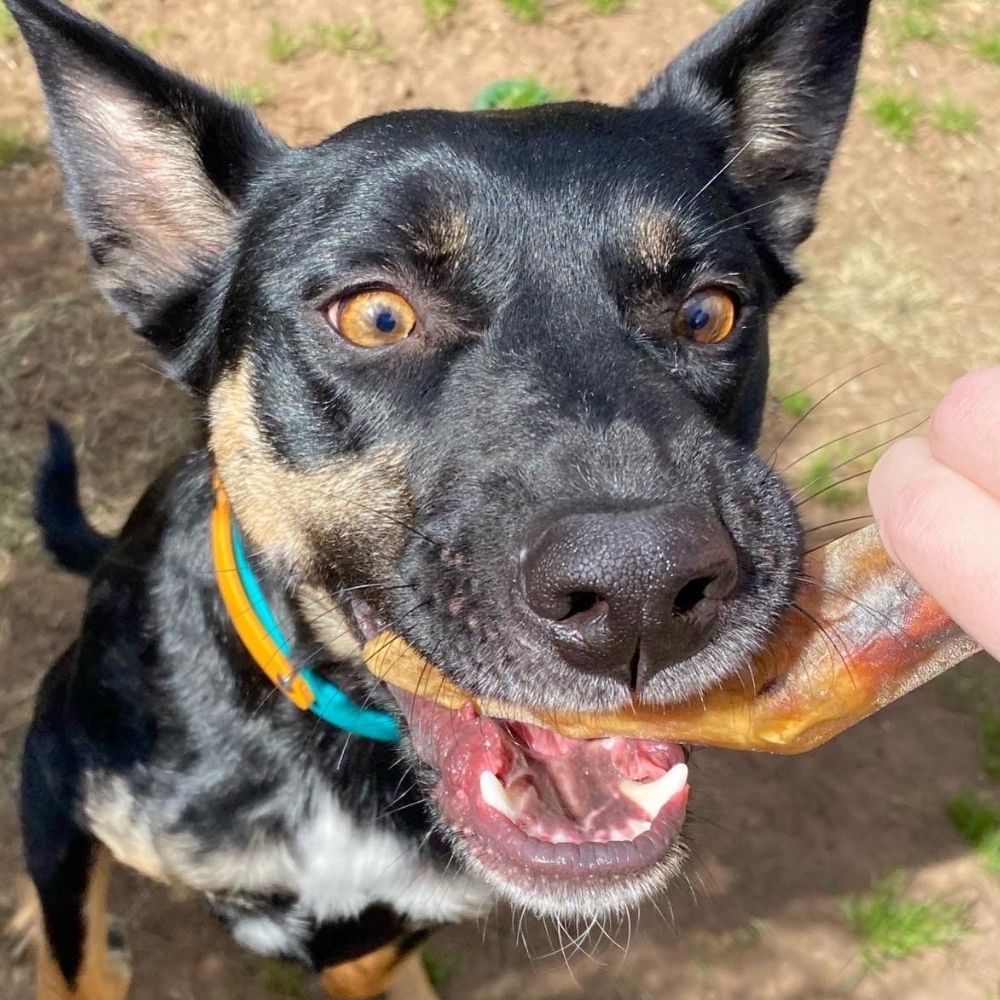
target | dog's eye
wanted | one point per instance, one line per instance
(708, 316)
(372, 319)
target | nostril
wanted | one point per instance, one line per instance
(691, 595)
(582, 603)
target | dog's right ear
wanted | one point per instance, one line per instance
(156, 167)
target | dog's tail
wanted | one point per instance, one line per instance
(74, 543)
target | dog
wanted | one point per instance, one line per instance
(491, 381)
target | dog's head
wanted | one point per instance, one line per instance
(493, 381)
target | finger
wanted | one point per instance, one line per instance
(964, 430)
(945, 532)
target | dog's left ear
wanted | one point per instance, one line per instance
(778, 77)
(156, 167)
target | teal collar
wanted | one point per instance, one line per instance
(267, 643)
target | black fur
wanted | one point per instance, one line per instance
(547, 253)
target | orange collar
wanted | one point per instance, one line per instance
(265, 641)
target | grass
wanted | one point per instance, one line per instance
(439, 11)
(822, 477)
(917, 26)
(508, 94)
(606, 6)
(955, 117)
(986, 45)
(8, 27)
(751, 934)
(979, 823)
(989, 745)
(896, 113)
(154, 36)
(285, 980)
(350, 38)
(440, 967)
(253, 95)
(15, 146)
(888, 926)
(972, 688)
(798, 404)
(283, 45)
(530, 11)
(722, 6)
(344, 38)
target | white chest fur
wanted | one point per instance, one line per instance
(331, 864)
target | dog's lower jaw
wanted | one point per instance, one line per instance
(574, 901)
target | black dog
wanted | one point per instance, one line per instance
(490, 381)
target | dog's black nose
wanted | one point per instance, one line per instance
(629, 593)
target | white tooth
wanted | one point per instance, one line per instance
(652, 796)
(496, 796)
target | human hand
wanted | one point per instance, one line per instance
(936, 501)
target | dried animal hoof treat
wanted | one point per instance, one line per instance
(861, 635)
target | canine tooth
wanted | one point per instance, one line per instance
(497, 797)
(652, 796)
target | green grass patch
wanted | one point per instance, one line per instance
(344, 38)
(751, 934)
(154, 36)
(722, 6)
(9, 32)
(979, 823)
(530, 11)
(895, 113)
(284, 45)
(509, 94)
(989, 745)
(440, 967)
(439, 11)
(822, 478)
(972, 688)
(955, 117)
(253, 95)
(350, 38)
(606, 6)
(917, 26)
(986, 45)
(287, 980)
(798, 404)
(888, 926)
(15, 146)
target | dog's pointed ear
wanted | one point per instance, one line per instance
(778, 77)
(156, 167)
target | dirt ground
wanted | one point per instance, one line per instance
(903, 292)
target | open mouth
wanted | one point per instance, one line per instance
(527, 800)
(538, 810)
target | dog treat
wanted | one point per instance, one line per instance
(861, 634)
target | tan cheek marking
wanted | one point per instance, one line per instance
(328, 622)
(362, 502)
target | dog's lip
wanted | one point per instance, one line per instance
(526, 800)
(366, 618)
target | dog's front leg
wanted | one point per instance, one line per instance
(385, 972)
(75, 957)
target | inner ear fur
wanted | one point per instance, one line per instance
(156, 167)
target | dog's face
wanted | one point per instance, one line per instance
(492, 382)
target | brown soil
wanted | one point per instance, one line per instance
(904, 274)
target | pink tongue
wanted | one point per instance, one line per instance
(577, 781)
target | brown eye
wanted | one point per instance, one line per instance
(372, 319)
(708, 316)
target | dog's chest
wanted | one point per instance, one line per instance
(275, 890)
